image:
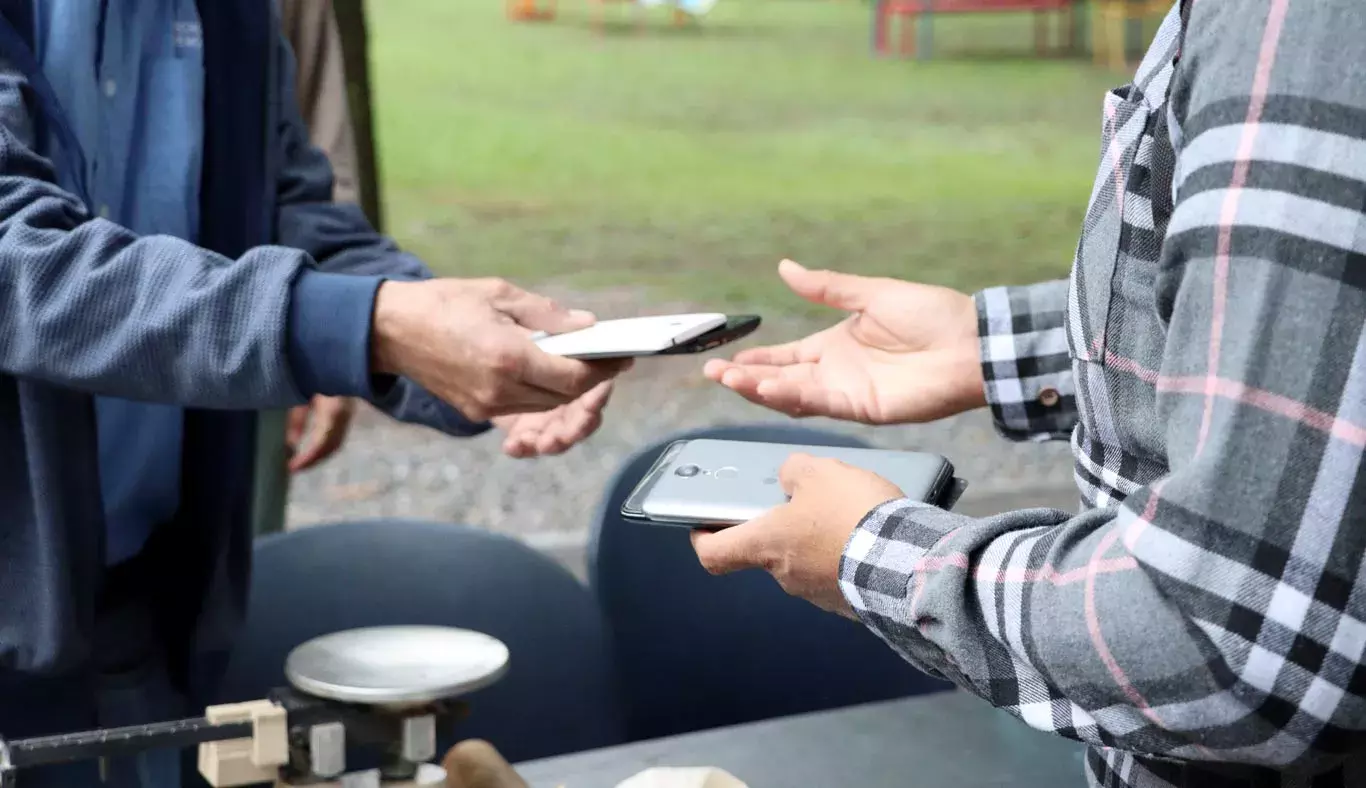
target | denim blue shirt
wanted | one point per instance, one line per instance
(130, 76)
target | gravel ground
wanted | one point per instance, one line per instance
(396, 470)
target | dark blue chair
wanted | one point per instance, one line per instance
(559, 694)
(696, 651)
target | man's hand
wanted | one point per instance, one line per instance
(800, 543)
(467, 342)
(908, 353)
(315, 431)
(554, 431)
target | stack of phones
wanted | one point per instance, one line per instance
(715, 483)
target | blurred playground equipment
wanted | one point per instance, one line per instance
(684, 11)
(916, 18)
(531, 10)
(1111, 21)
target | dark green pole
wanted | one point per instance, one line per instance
(271, 490)
(356, 54)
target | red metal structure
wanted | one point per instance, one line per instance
(907, 12)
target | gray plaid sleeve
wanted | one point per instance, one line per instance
(1028, 374)
(1218, 613)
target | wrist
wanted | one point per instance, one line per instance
(391, 327)
(971, 388)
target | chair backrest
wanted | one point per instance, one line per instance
(696, 651)
(559, 694)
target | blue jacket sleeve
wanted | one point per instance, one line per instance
(341, 240)
(88, 305)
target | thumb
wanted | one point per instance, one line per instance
(828, 288)
(796, 471)
(731, 549)
(539, 313)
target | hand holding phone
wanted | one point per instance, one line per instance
(710, 483)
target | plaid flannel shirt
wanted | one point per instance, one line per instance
(1202, 620)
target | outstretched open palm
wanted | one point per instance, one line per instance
(907, 353)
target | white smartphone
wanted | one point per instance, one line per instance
(639, 336)
(709, 483)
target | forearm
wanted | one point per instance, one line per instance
(1025, 363)
(341, 239)
(1116, 628)
(88, 305)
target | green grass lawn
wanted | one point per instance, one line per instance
(692, 160)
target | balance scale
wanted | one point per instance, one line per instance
(383, 688)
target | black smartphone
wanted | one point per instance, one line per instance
(735, 328)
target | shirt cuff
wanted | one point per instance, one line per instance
(330, 318)
(878, 576)
(412, 404)
(1026, 365)
(881, 554)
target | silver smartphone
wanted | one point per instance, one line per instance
(709, 483)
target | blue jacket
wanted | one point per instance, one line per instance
(87, 307)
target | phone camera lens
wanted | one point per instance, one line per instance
(688, 471)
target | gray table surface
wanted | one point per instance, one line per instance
(949, 739)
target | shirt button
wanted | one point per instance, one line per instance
(104, 211)
(110, 88)
(1049, 397)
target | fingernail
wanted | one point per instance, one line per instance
(583, 315)
(791, 265)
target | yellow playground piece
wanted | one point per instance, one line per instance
(1110, 19)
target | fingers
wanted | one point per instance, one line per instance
(525, 380)
(555, 431)
(778, 355)
(326, 434)
(802, 351)
(801, 468)
(735, 548)
(296, 421)
(565, 377)
(819, 477)
(794, 391)
(537, 312)
(828, 288)
(523, 433)
(573, 425)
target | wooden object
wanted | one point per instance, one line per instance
(909, 14)
(1110, 21)
(531, 10)
(238, 762)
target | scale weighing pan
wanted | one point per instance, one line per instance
(396, 666)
